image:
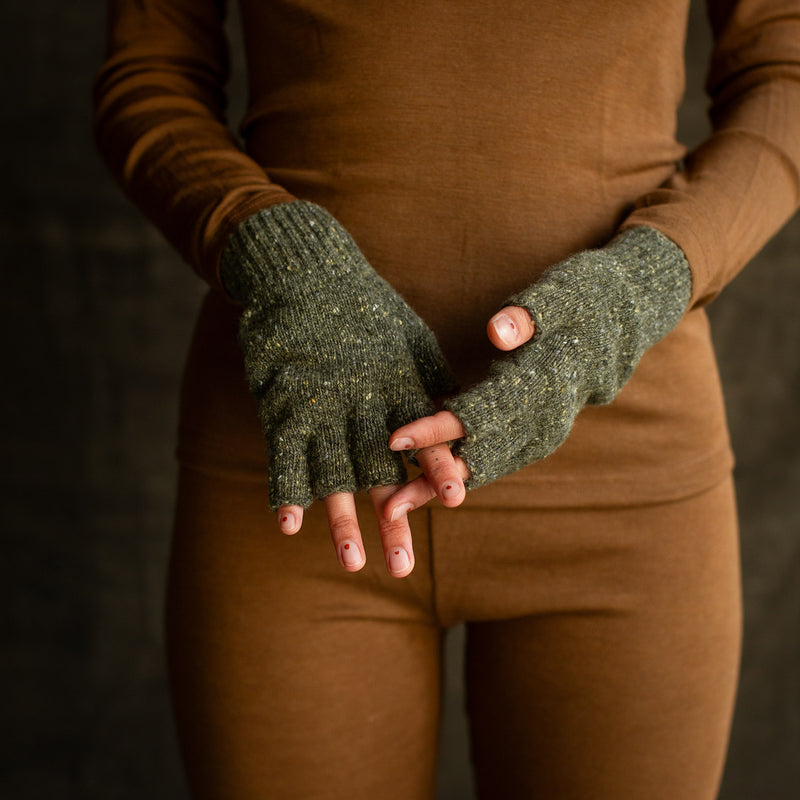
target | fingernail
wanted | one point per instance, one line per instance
(351, 554)
(400, 511)
(450, 490)
(398, 560)
(287, 522)
(402, 444)
(505, 328)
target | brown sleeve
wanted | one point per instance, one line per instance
(159, 120)
(743, 182)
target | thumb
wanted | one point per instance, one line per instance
(510, 327)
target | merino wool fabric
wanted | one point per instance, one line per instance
(601, 661)
(467, 147)
(335, 357)
(594, 317)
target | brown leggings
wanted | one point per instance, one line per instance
(602, 649)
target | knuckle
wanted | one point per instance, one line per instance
(342, 525)
(440, 475)
(393, 533)
(437, 462)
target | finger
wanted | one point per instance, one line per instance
(398, 549)
(290, 519)
(415, 494)
(510, 327)
(444, 426)
(340, 508)
(440, 469)
(412, 496)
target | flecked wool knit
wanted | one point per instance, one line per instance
(467, 147)
(335, 357)
(594, 317)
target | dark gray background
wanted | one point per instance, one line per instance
(96, 313)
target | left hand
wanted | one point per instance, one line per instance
(444, 474)
(595, 315)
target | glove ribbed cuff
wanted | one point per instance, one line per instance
(278, 244)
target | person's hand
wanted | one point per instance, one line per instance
(340, 507)
(594, 316)
(443, 473)
(335, 359)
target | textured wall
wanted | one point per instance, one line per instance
(96, 314)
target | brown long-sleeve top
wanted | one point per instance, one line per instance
(466, 146)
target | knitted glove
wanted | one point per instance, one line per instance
(595, 315)
(334, 356)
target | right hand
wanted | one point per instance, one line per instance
(591, 318)
(345, 531)
(334, 356)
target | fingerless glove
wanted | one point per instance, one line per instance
(595, 315)
(334, 356)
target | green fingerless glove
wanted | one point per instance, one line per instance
(595, 315)
(334, 356)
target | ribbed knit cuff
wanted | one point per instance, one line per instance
(278, 244)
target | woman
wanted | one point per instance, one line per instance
(410, 169)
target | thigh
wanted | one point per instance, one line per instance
(629, 694)
(290, 677)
